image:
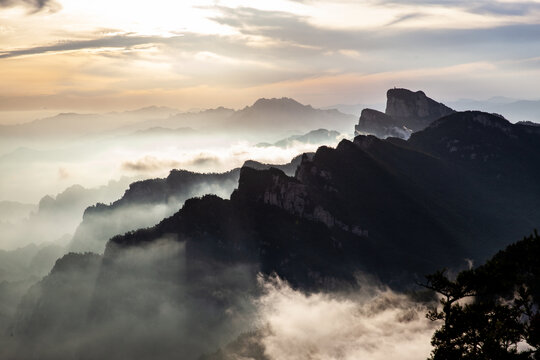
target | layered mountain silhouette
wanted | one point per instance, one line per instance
(463, 186)
(56, 217)
(274, 113)
(147, 202)
(314, 137)
(388, 207)
(406, 112)
(281, 116)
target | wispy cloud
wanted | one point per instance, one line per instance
(485, 7)
(33, 5)
(117, 41)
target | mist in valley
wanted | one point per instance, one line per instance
(105, 175)
(275, 180)
(148, 302)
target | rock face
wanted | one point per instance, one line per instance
(389, 207)
(406, 112)
(381, 125)
(289, 168)
(392, 208)
(414, 109)
(145, 203)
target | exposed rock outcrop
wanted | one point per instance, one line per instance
(414, 109)
(406, 112)
(381, 125)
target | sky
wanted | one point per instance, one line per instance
(104, 55)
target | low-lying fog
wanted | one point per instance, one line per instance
(56, 167)
(48, 155)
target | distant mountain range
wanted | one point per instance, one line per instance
(147, 202)
(462, 186)
(282, 116)
(55, 217)
(387, 207)
(315, 137)
(513, 109)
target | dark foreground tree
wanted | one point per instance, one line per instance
(491, 312)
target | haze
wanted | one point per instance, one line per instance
(99, 56)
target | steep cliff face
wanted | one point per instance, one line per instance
(415, 109)
(289, 168)
(406, 112)
(381, 125)
(145, 203)
(392, 208)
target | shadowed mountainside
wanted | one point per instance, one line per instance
(408, 204)
(463, 187)
(146, 202)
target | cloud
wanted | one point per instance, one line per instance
(374, 323)
(205, 160)
(33, 5)
(150, 164)
(483, 7)
(404, 18)
(409, 47)
(117, 41)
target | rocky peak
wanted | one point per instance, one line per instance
(381, 125)
(274, 103)
(415, 108)
(406, 112)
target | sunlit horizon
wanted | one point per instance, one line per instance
(101, 56)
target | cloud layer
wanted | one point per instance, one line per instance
(374, 324)
(33, 5)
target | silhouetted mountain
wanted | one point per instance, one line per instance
(76, 125)
(55, 306)
(512, 109)
(288, 169)
(29, 261)
(500, 153)
(288, 114)
(414, 109)
(389, 207)
(58, 216)
(204, 119)
(528, 123)
(64, 124)
(406, 112)
(461, 188)
(149, 112)
(315, 137)
(274, 115)
(144, 203)
(381, 125)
